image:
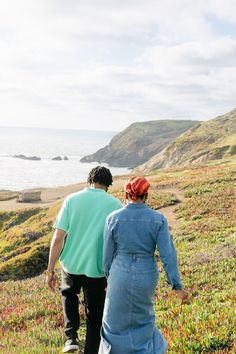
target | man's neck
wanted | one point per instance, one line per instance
(99, 186)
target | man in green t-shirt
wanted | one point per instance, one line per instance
(78, 243)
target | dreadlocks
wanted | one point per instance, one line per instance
(100, 174)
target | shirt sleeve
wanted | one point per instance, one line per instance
(168, 256)
(62, 219)
(109, 247)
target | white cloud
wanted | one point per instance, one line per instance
(105, 64)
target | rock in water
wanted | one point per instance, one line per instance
(23, 157)
(57, 158)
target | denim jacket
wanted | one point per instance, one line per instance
(137, 229)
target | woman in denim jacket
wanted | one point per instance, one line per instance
(130, 238)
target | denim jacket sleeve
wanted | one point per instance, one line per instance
(109, 247)
(168, 256)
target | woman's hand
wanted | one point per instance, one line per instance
(155, 297)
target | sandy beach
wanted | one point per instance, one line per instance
(49, 196)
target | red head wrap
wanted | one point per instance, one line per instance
(136, 186)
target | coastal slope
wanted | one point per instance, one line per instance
(139, 142)
(211, 140)
(204, 215)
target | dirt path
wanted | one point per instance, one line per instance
(169, 210)
(49, 196)
(52, 195)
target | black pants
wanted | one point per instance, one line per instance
(94, 297)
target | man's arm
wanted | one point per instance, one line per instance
(55, 250)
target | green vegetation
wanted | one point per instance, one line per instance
(139, 142)
(156, 199)
(205, 237)
(24, 242)
(210, 140)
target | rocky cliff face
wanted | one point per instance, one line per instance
(211, 140)
(139, 142)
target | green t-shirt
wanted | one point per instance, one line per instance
(82, 216)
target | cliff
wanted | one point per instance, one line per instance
(139, 142)
(211, 140)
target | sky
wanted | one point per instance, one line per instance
(104, 64)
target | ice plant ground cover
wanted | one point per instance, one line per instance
(205, 237)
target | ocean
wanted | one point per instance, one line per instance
(17, 174)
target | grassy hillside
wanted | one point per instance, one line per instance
(211, 140)
(205, 237)
(24, 242)
(139, 142)
(25, 236)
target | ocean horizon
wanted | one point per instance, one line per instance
(46, 144)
